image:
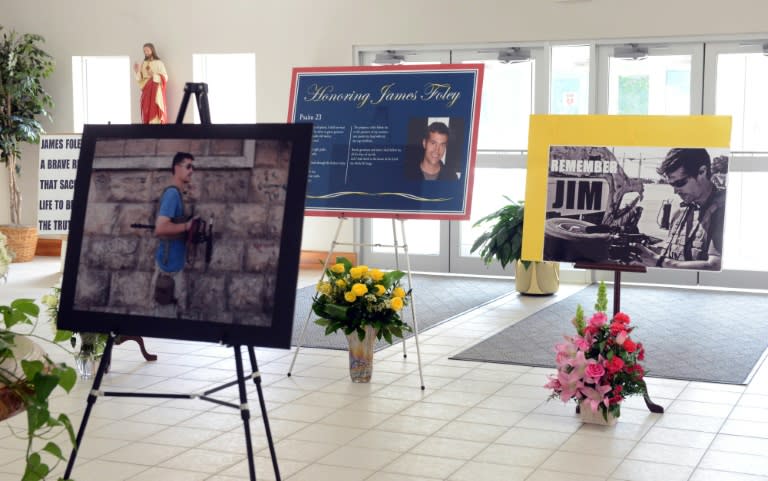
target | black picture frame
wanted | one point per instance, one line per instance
(106, 269)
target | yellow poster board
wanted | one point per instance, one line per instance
(546, 131)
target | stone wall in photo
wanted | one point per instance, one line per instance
(238, 185)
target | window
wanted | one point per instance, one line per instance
(509, 94)
(569, 85)
(654, 85)
(735, 74)
(101, 90)
(491, 187)
(231, 79)
(507, 103)
(659, 80)
(741, 93)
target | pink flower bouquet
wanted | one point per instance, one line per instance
(599, 366)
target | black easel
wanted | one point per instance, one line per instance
(205, 396)
(617, 270)
(200, 90)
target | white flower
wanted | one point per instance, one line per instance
(51, 301)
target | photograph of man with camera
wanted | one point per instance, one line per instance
(612, 205)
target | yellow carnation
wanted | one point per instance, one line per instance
(324, 287)
(359, 289)
(376, 275)
(356, 273)
(398, 292)
(340, 283)
(380, 290)
(349, 296)
(397, 303)
(337, 268)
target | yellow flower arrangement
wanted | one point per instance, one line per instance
(353, 297)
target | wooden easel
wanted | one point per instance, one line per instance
(617, 270)
(140, 341)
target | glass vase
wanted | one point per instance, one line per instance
(86, 364)
(361, 355)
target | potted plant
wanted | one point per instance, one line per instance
(503, 242)
(27, 380)
(365, 304)
(600, 365)
(23, 66)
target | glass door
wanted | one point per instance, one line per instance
(735, 76)
(508, 100)
(638, 79)
(427, 239)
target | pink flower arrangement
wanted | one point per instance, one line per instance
(599, 366)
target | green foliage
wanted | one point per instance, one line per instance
(23, 66)
(504, 239)
(578, 320)
(40, 379)
(353, 297)
(601, 305)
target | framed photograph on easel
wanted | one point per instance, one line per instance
(395, 141)
(215, 208)
(620, 190)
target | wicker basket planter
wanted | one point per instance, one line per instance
(22, 241)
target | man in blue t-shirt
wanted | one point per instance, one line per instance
(171, 229)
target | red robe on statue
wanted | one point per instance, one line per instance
(152, 79)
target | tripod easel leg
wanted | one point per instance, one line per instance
(267, 430)
(322, 275)
(244, 412)
(397, 266)
(105, 359)
(413, 303)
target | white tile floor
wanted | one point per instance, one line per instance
(474, 421)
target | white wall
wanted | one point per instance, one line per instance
(291, 33)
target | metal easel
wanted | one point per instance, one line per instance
(200, 90)
(396, 246)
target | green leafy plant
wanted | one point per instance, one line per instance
(33, 386)
(503, 241)
(23, 66)
(353, 297)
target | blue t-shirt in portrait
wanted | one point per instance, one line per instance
(170, 254)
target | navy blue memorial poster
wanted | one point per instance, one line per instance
(392, 142)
